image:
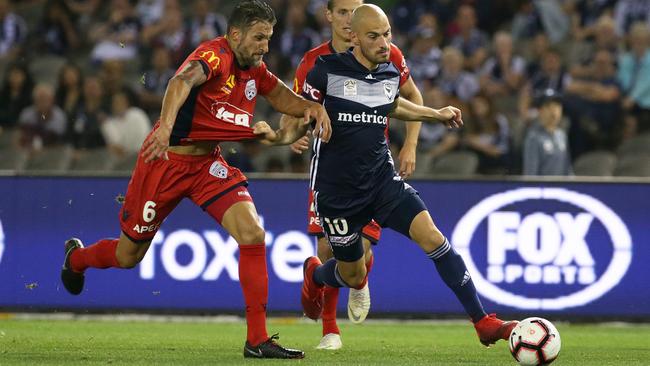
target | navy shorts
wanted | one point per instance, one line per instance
(393, 205)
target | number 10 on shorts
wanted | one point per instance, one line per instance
(338, 226)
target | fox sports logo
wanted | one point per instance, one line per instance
(543, 248)
(2, 241)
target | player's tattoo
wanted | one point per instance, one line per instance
(193, 74)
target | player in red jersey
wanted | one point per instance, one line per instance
(339, 14)
(210, 99)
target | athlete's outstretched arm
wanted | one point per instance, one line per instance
(291, 129)
(178, 89)
(284, 100)
(407, 154)
(407, 111)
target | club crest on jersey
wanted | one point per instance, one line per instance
(350, 88)
(218, 170)
(388, 90)
(251, 90)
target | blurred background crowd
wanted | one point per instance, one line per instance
(83, 80)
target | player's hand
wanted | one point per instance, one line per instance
(156, 144)
(301, 144)
(450, 116)
(265, 131)
(407, 160)
(323, 128)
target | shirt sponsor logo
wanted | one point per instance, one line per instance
(362, 118)
(313, 93)
(540, 248)
(231, 114)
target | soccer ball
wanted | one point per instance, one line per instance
(535, 341)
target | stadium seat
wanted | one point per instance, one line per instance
(124, 164)
(46, 69)
(12, 158)
(635, 146)
(53, 159)
(91, 160)
(595, 163)
(460, 163)
(633, 166)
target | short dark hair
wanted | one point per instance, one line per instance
(330, 5)
(248, 12)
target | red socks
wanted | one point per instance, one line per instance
(329, 310)
(254, 281)
(368, 268)
(98, 255)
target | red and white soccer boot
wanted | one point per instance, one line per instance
(312, 293)
(490, 329)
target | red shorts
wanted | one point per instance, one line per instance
(372, 231)
(157, 187)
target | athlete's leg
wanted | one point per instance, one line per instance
(330, 295)
(413, 220)
(242, 223)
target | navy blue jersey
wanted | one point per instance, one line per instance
(357, 159)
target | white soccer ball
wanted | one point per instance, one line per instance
(535, 341)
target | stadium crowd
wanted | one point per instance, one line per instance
(83, 80)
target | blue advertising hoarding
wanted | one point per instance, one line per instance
(575, 248)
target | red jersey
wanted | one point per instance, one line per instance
(221, 109)
(310, 57)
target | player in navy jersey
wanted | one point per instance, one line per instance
(354, 180)
(339, 14)
(210, 99)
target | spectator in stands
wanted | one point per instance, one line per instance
(298, 163)
(545, 147)
(424, 54)
(169, 32)
(487, 134)
(16, 94)
(69, 91)
(453, 80)
(435, 140)
(206, 24)
(593, 106)
(552, 75)
(57, 29)
(113, 79)
(585, 14)
(534, 53)
(297, 38)
(151, 11)
(503, 73)
(42, 124)
(127, 126)
(84, 128)
(627, 12)
(155, 82)
(274, 165)
(13, 32)
(634, 76)
(83, 10)
(526, 23)
(605, 39)
(471, 41)
(117, 38)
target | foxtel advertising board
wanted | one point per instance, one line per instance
(570, 248)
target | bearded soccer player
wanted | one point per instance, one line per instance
(210, 99)
(339, 14)
(354, 180)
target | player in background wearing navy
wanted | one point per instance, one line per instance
(339, 14)
(210, 99)
(353, 176)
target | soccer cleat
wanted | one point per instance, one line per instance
(312, 294)
(490, 329)
(72, 281)
(271, 349)
(330, 341)
(359, 304)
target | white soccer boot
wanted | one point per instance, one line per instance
(330, 341)
(359, 304)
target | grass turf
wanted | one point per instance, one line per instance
(99, 342)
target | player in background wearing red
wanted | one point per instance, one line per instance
(339, 14)
(210, 99)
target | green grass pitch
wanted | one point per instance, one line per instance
(132, 342)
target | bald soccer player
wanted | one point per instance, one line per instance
(354, 179)
(339, 14)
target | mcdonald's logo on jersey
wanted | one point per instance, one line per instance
(212, 59)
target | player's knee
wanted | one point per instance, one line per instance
(324, 250)
(354, 277)
(128, 261)
(253, 234)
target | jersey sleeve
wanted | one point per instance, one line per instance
(211, 58)
(301, 75)
(266, 80)
(315, 84)
(397, 58)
